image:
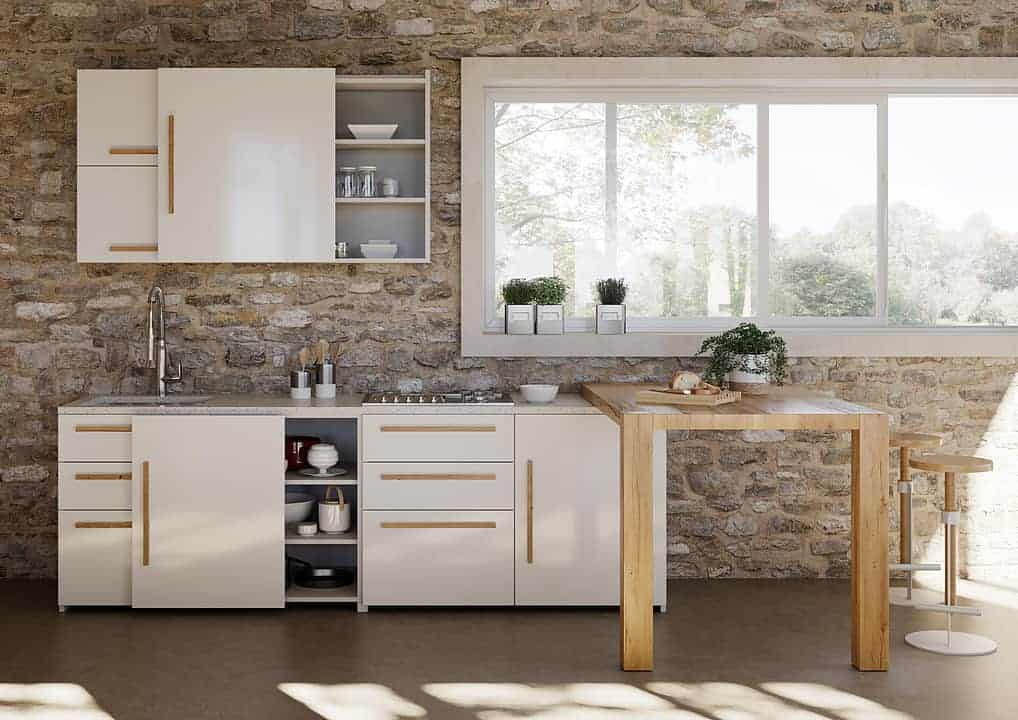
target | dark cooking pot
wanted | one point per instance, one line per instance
(297, 447)
(307, 575)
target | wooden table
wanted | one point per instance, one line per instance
(784, 409)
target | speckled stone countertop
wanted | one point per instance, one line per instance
(341, 406)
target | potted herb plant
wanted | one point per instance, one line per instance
(745, 358)
(610, 317)
(549, 294)
(518, 295)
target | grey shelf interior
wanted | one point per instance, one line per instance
(399, 224)
(377, 106)
(404, 164)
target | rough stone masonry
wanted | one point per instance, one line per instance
(755, 504)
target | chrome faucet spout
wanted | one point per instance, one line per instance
(157, 351)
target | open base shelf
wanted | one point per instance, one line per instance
(348, 594)
(347, 538)
(293, 477)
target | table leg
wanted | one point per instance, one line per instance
(870, 608)
(636, 545)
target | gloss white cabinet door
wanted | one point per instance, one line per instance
(117, 215)
(567, 511)
(117, 117)
(207, 508)
(247, 164)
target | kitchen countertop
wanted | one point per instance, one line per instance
(343, 406)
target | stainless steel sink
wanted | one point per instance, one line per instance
(136, 400)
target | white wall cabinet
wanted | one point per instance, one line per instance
(117, 118)
(207, 512)
(247, 165)
(117, 214)
(567, 511)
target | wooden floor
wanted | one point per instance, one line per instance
(764, 649)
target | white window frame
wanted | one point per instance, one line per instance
(764, 81)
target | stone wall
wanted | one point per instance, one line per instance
(755, 505)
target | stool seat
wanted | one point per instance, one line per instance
(951, 463)
(916, 440)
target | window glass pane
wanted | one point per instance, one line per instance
(549, 199)
(952, 211)
(823, 191)
(686, 232)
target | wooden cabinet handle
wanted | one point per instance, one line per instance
(133, 248)
(169, 164)
(102, 476)
(144, 513)
(431, 525)
(438, 428)
(134, 150)
(530, 512)
(103, 428)
(96, 524)
(438, 476)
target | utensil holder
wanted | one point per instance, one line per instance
(333, 514)
(300, 384)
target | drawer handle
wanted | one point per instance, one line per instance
(428, 525)
(438, 476)
(90, 524)
(102, 476)
(530, 512)
(144, 513)
(438, 428)
(102, 428)
(134, 151)
(169, 165)
(134, 248)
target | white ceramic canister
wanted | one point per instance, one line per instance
(333, 512)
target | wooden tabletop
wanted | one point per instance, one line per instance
(783, 408)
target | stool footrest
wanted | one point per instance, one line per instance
(949, 609)
(915, 567)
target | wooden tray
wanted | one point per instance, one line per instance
(665, 396)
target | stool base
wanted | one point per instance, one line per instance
(961, 643)
(920, 596)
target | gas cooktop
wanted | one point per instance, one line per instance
(460, 397)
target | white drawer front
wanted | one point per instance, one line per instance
(94, 437)
(94, 486)
(437, 486)
(437, 558)
(485, 438)
(117, 117)
(94, 557)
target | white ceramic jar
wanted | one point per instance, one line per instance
(323, 456)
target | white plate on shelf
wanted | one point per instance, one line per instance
(372, 132)
(331, 472)
(379, 250)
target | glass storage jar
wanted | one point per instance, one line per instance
(366, 181)
(346, 182)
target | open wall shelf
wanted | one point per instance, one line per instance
(404, 220)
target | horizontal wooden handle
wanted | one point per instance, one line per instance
(91, 524)
(134, 150)
(102, 476)
(430, 525)
(439, 428)
(133, 248)
(438, 476)
(102, 428)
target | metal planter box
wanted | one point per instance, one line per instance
(519, 319)
(610, 320)
(551, 319)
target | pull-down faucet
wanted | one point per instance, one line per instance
(158, 355)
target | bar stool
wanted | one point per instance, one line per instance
(945, 642)
(906, 442)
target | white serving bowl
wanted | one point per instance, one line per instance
(539, 393)
(379, 250)
(298, 507)
(372, 132)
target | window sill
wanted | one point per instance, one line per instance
(855, 342)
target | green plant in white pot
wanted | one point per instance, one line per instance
(610, 318)
(549, 294)
(518, 296)
(745, 358)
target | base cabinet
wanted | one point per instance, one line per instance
(414, 557)
(207, 503)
